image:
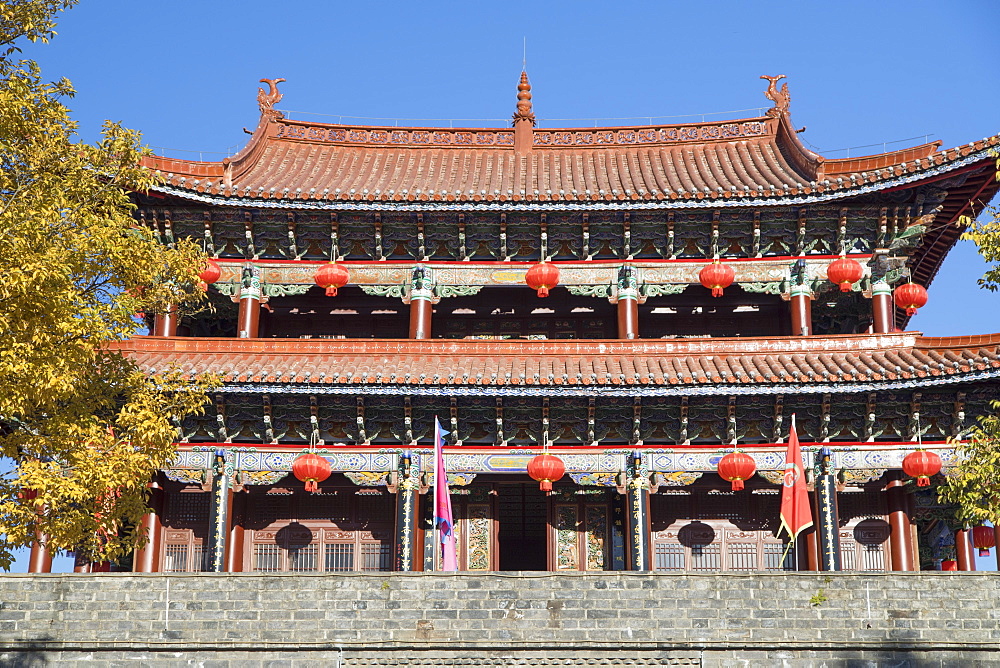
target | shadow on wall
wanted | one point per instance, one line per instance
(28, 658)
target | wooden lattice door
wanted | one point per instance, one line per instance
(185, 531)
(474, 510)
(339, 530)
(580, 531)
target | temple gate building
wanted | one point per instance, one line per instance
(631, 371)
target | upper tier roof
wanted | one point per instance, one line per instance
(299, 164)
(754, 161)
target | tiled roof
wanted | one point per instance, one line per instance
(301, 163)
(780, 361)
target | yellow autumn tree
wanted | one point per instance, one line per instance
(82, 428)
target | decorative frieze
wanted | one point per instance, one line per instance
(668, 468)
(654, 278)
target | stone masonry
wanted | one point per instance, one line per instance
(501, 619)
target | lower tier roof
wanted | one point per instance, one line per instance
(844, 363)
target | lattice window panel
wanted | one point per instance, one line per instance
(669, 557)
(376, 507)
(187, 508)
(706, 558)
(858, 506)
(743, 556)
(182, 558)
(773, 553)
(376, 557)
(336, 507)
(338, 557)
(857, 557)
(722, 506)
(303, 558)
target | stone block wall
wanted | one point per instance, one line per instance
(500, 619)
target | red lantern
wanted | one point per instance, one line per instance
(542, 277)
(910, 296)
(311, 469)
(737, 467)
(331, 276)
(845, 272)
(717, 277)
(921, 465)
(210, 274)
(546, 469)
(983, 538)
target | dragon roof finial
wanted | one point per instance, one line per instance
(270, 98)
(781, 98)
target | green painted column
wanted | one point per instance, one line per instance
(407, 545)
(218, 518)
(828, 529)
(637, 510)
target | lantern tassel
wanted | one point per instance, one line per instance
(923, 481)
(845, 286)
(911, 310)
(543, 291)
(331, 291)
(545, 485)
(716, 292)
(737, 484)
(984, 553)
(311, 485)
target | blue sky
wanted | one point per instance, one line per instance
(860, 73)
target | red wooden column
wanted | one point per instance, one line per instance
(628, 318)
(165, 324)
(147, 557)
(901, 535)
(40, 559)
(250, 299)
(237, 522)
(883, 314)
(81, 564)
(996, 535)
(420, 318)
(801, 310)
(809, 539)
(421, 303)
(628, 303)
(963, 549)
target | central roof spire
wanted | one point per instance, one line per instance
(524, 117)
(524, 111)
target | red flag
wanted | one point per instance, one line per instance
(795, 512)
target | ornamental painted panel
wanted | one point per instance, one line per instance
(567, 554)
(596, 536)
(479, 537)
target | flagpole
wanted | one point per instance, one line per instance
(443, 518)
(796, 514)
(795, 539)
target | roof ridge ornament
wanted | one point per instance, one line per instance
(269, 99)
(524, 111)
(524, 118)
(781, 98)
